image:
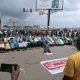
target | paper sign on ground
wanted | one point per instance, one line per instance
(55, 66)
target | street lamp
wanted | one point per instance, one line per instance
(48, 19)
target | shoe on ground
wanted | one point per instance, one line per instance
(49, 53)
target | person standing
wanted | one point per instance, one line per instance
(72, 68)
(46, 46)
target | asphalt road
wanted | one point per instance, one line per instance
(30, 60)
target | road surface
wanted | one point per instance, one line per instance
(30, 60)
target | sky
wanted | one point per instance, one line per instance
(69, 17)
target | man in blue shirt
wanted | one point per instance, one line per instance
(46, 47)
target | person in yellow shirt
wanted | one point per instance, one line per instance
(7, 46)
(72, 68)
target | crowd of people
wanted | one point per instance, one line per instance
(21, 39)
(72, 68)
(20, 42)
(15, 39)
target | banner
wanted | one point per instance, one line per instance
(49, 4)
(55, 66)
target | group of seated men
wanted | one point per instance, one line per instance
(20, 42)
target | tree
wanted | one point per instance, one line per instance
(6, 26)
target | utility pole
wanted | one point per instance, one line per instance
(48, 20)
(54, 5)
(36, 5)
(0, 23)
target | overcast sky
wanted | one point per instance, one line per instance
(69, 17)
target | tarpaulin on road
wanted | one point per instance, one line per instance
(55, 66)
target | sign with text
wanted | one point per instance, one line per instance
(55, 66)
(49, 4)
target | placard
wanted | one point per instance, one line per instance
(55, 66)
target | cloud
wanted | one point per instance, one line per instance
(68, 19)
(13, 9)
(71, 5)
